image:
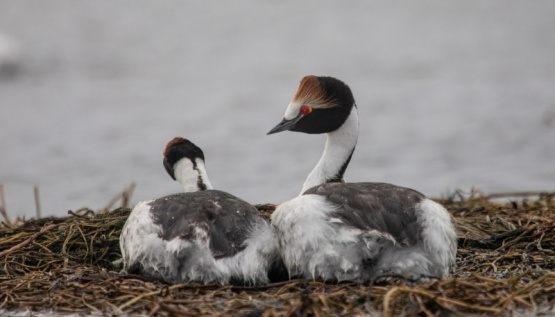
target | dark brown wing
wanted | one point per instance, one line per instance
(380, 206)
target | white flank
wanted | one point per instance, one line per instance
(253, 263)
(440, 237)
(316, 245)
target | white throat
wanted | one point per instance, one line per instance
(192, 177)
(340, 145)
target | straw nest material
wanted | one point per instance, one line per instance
(506, 266)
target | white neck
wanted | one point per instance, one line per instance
(191, 177)
(340, 145)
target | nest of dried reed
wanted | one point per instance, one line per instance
(506, 265)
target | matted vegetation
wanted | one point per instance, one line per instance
(506, 266)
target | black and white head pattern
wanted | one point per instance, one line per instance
(320, 105)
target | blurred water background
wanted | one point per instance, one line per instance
(451, 94)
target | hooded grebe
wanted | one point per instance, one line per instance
(354, 231)
(202, 235)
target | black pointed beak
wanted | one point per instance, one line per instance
(169, 169)
(285, 125)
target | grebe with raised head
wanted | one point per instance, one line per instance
(201, 235)
(354, 231)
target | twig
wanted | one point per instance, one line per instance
(153, 293)
(85, 215)
(29, 240)
(263, 287)
(127, 195)
(265, 207)
(438, 299)
(493, 242)
(387, 301)
(124, 196)
(37, 202)
(514, 194)
(3, 209)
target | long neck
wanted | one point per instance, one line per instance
(340, 145)
(192, 175)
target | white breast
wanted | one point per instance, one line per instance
(316, 245)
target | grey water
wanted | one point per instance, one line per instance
(451, 95)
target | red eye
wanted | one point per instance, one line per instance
(305, 109)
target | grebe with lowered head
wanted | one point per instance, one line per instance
(201, 235)
(354, 231)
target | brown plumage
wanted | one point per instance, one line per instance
(310, 91)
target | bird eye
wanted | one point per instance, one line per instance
(305, 109)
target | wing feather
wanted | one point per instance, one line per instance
(225, 219)
(375, 206)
